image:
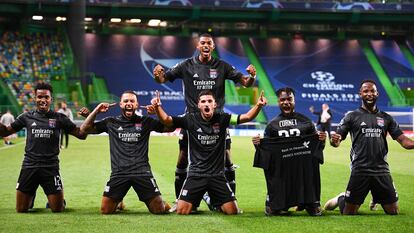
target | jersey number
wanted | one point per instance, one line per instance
(289, 133)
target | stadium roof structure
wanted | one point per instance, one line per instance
(260, 22)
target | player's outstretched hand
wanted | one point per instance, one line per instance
(156, 101)
(262, 101)
(158, 71)
(321, 135)
(84, 112)
(103, 107)
(150, 109)
(251, 70)
(256, 140)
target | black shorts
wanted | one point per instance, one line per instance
(183, 140)
(381, 187)
(217, 187)
(47, 177)
(145, 186)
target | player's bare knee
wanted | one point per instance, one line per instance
(106, 210)
(20, 209)
(392, 212)
(58, 209)
(229, 208)
(157, 206)
(230, 211)
(391, 209)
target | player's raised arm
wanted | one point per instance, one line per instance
(6, 130)
(159, 74)
(88, 126)
(252, 113)
(161, 114)
(405, 142)
(248, 80)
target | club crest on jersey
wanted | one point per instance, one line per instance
(380, 121)
(52, 123)
(138, 126)
(216, 128)
(213, 73)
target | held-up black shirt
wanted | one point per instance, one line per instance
(290, 154)
(128, 143)
(42, 140)
(197, 77)
(206, 142)
(369, 144)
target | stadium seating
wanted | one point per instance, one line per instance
(29, 58)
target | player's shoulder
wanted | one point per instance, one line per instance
(301, 117)
(220, 62)
(58, 115)
(385, 115)
(354, 113)
(276, 119)
(187, 61)
(274, 122)
(28, 113)
(184, 63)
(143, 119)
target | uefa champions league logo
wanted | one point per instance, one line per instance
(325, 82)
(322, 76)
(326, 89)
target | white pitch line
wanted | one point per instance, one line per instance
(11, 146)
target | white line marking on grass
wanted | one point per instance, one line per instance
(11, 146)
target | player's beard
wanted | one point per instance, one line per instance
(370, 104)
(128, 113)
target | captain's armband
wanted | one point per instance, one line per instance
(235, 119)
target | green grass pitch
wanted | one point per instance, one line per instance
(85, 168)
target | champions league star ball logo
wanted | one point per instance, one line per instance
(322, 76)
